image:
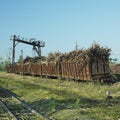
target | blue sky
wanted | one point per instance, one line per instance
(60, 23)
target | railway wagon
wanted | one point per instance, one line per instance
(88, 70)
(18, 68)
(27, 69)
(36, 69)
(9, 68)
(75, 71)
(100, 69)
(50, 70)
(87, 65)
(115, 68)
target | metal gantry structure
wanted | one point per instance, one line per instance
(37, 44)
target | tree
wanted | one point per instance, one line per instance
(20, 60)
(9, 56)
(2, 65)
(113, 60)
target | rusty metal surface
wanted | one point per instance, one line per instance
(27, 69)
(99, 67)
(36, 69)
(115, 68)
(9, 68)
(72, 70)
(49, 69)
(68, 70)
(18, 69)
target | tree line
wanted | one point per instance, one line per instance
(4, 63)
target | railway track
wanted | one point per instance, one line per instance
(12, 108)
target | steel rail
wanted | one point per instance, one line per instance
(38, 113)
(9, 112)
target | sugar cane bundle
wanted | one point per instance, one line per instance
(52, 57)
(96, 51)
(93, 53)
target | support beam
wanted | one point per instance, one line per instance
(36, 46)
(13, 54)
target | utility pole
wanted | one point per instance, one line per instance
(22, 63)
(76, 46)
(13, 54)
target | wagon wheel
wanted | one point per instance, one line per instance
(101, 80)
(94, 79)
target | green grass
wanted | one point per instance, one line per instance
(65, 100)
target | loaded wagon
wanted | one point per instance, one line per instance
(115, 68)
(49, 70)
(75, 71)
(9, 68)
(18, 68)
(86, 65)
(36, 69)
(83, 65)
